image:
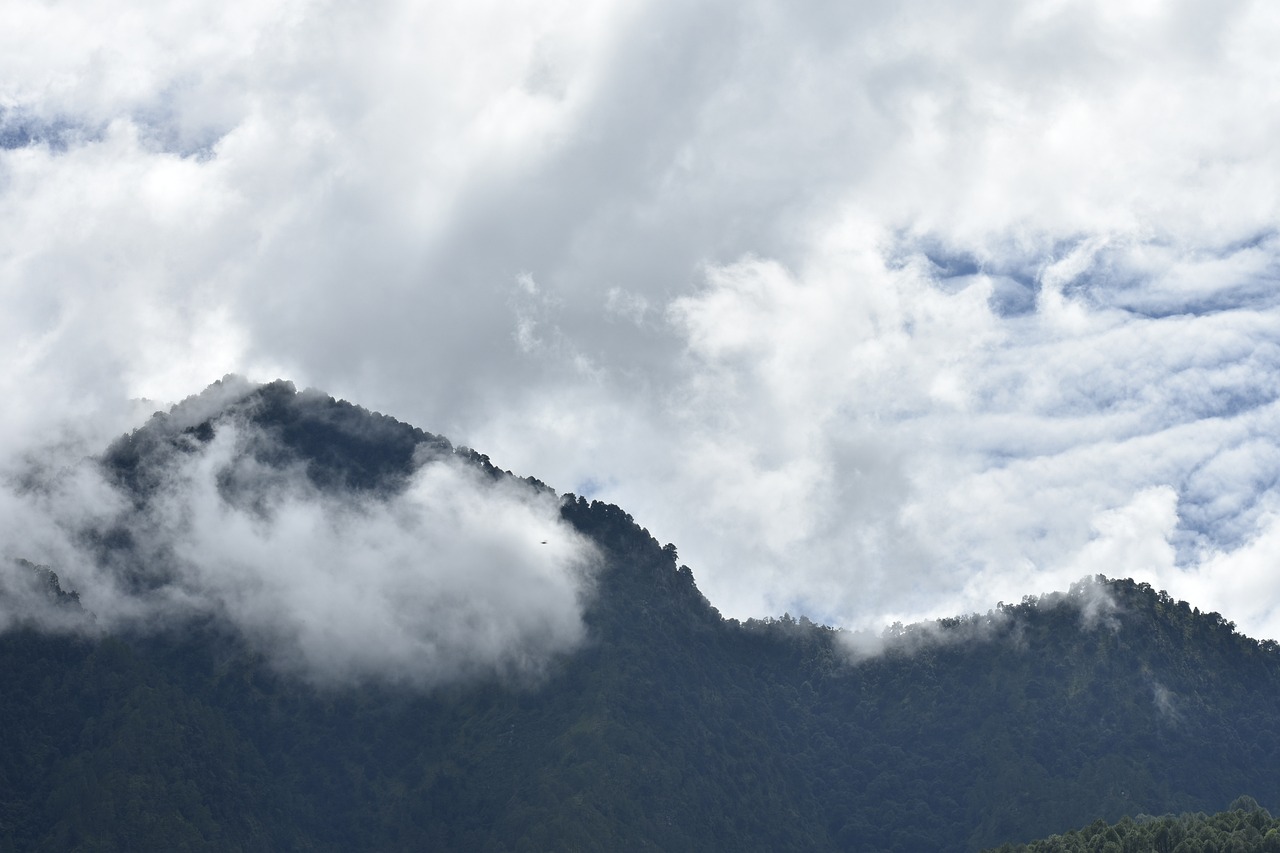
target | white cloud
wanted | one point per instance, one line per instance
(875, 309)
(454, 577)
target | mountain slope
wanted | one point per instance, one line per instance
(665, 727)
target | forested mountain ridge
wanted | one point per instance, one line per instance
(1245, 827)
(667, 728)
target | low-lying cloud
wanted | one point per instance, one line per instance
(454, 576)
(1090, 599)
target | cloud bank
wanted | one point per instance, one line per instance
(880, 310)
(451, 577)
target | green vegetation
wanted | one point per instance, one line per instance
(1245, 827)
(671, 728)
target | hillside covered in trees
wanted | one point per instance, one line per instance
(662, 726)
(1245, 827)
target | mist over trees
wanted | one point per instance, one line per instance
(653, 722)
(341, 544)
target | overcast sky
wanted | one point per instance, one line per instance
(877, 310)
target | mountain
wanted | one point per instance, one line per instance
(640, 720)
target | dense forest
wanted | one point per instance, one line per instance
(668, 728)
(1245, 827)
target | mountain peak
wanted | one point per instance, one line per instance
(341, 445)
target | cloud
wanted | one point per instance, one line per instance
(31, 596)
(877, 310)
(455, 576)
(871, 426)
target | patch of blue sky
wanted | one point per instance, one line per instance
(1155, 302)
(1159, 281)
(1013, 297)
(950, 264)
(21, 129)
(1154, 279)
(160, 128)
(1015, 284)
